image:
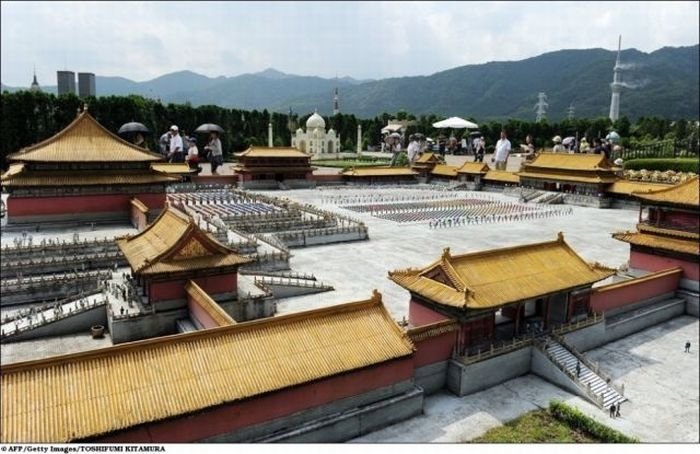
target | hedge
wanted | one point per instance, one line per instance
(576, 419)
(677, 165)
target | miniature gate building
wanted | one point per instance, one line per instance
(167, 259)
(268, 168)
(547, 284)
(83, 173)
(667, 232)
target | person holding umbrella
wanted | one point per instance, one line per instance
(213, 148)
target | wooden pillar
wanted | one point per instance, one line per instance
(641, 208)
(517, 320)
(547, 304)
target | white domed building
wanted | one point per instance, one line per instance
(316, 141)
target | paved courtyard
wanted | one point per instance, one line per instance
(354, 269)
(660, 380)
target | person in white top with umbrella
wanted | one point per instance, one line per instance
(502, 151)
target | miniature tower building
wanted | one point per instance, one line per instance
(35, 84)
(616, 86)
(336, 107)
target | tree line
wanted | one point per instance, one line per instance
(30, 117)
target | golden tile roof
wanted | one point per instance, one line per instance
(427, 158)
(275, 152)
(84, 140)
(626, 187)
(379, 171)
(684, 194)
(635, 281)
(566, 161)
(139, 205)
(171, 167)
(667, 231)
(498, 277)
(474, 168)
(502, 175)
(595, 179)
(173, 242)
(686, 246)
(420, 333)
(65, 178)
(444, 170)
(86, 394)
(210, 306)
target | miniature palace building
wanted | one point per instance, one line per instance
(272, 168)
(328, 375)
(84, 172)
(502, 293)
(668, 231)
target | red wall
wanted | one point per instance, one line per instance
(198, 313)
(419, 315)
(686, 220)
(229, 417)
(224, 283)
(649, 262)
(434, 349)
(616, 295)
(475, 332)
(103, 203)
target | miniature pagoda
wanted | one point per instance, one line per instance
(503, 293)
(272, 168)
(83, 173)
(667, 232)
(424, 165)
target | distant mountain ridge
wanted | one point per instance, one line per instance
(661, 83)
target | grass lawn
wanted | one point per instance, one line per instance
(535, 427)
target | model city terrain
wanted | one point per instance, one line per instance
(280, 301)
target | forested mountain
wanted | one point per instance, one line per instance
(663, 83)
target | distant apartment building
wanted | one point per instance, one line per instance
(66, 82)
(86, 84)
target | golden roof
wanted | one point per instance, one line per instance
(444, 170)
(686, 246)
(26, 178)
(379, 172)
(685, 194)
(275, 152)
(566, 161)
(474, 167)
(171, 167)
(502, 175)
(428, 158)
(595, 179)
(420, 333)
(667, 231)
(638, 280)
(172, 243)
(498, 277)
(627, 187)
(75, 396)
(84, 140)
(139, 205)
(210, 306)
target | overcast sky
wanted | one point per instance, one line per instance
(143, 40)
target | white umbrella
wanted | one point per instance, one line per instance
(391, 128)
(455, 123)
(568, 140)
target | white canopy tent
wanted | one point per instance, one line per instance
(455, 123)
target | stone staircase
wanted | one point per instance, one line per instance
(597, 388)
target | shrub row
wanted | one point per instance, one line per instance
(677, 165)
(576, 419)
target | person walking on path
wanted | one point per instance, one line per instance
(215, 152)
(502, 151)
(617, 413)
(578, 369)
(612, 411)
(687, 347)
(176, 145)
